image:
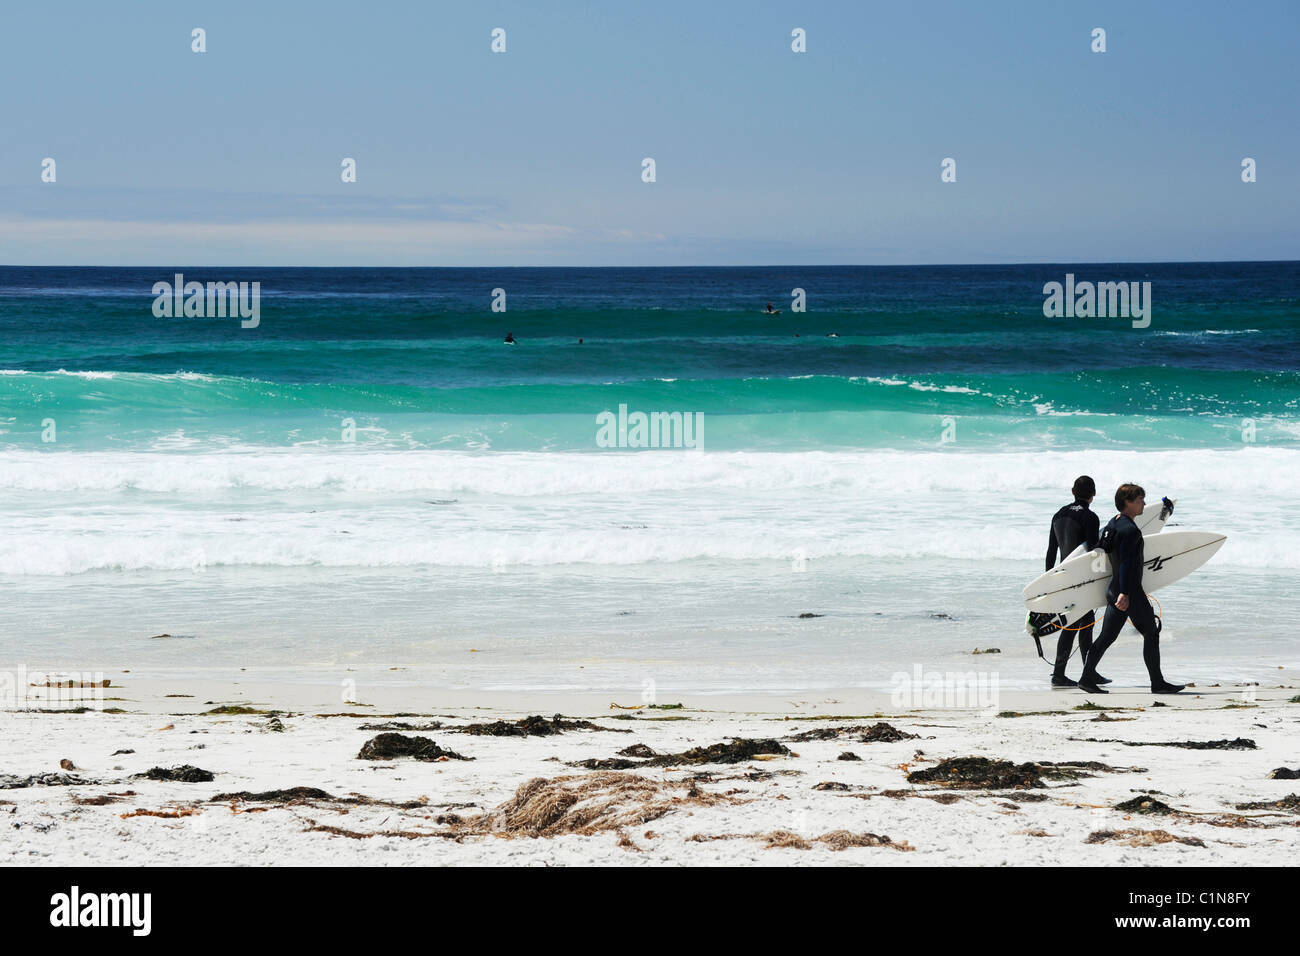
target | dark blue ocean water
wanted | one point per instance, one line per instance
(880, 355)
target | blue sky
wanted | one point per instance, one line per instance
(533, 157)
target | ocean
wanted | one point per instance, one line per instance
(369, 485)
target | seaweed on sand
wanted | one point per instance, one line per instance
(1145, 804)
(534, 726)
(402, 725)
(785, 839)
(12, 782)
(275, 796)
(877, 733)
(1240, 743)
(183, 774)
(979, 773)
(389, 746)
(584, 804)
(1290, 802)
(1136, 838)
(587, 804)
(738, 750)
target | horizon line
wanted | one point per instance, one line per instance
(789, 265)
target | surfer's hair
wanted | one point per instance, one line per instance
(1126, 493)
(1084, 487)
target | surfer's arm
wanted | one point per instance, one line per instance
(1094, 531)
(1130, 577)
(1051, 548)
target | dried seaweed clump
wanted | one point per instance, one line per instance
(876, 733)
(389, 746)
(13, 782)
(738, 751)
(275, 796)
(587, 804)
(403, 725)
(788, 840)
(535, 726)
(1136, 838)
(1240, 743)
(1290, 802)
(185, 774)
(1145, 804)
(979, 773)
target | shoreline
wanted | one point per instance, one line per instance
(189, 695)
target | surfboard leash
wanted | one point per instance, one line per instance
(1159, 616)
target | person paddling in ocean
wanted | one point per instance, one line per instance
(1125, 598)
(1073, 525)
(510, 338)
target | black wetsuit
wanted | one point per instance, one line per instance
(1126, 558)
(1073, 525)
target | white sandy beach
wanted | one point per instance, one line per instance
(768, 809)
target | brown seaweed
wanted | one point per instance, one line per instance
(390, 746)
(533, 726)
(183, 774)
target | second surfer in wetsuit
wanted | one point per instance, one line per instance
(1075, 524)
(1125, 598)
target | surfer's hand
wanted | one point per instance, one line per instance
(1121, 602)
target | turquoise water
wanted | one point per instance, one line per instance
(414, 358)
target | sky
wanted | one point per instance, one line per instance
(533, 157)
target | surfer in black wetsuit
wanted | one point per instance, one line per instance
(1075, 524)
(1125, 598)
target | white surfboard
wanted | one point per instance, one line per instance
(1079, 584)
(1153, 517)
(1150, 521)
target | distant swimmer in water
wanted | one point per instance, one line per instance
(510, 339)
(579, 341)
(771, 311)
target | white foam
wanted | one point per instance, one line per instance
(69, 512)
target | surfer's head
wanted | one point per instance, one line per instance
(1130, 500)
(1085, 489)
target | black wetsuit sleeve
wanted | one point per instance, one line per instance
(1130, 568)
(1093, 531)
(1051, 548)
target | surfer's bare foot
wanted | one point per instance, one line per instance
(1090, 687)
(1166, 688)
